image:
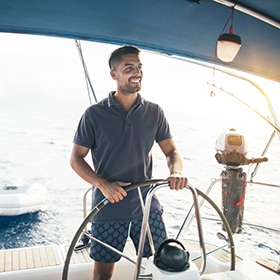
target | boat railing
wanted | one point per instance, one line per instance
(145, 223)
(190, 216)
(85, 202)
(185, 227)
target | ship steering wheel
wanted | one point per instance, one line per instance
(105, 201)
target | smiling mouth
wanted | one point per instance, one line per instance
(135, 80)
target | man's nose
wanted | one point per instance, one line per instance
(137, 71)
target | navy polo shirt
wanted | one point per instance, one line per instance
(121, 148)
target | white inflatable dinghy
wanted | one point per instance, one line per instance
(17, 200)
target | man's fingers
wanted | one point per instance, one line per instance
(118, 193)
(177, 182)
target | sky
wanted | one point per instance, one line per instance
(37, 65)
(36, 68)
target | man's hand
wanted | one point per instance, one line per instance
(177, 181)
(114, 192)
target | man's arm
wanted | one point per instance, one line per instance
(112, 191)
(174, 163)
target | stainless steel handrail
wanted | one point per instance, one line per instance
(112, 249)
(145, 222)
(142, 207)
(152, 246)
(85, 202)
(184, 228)
(254, 172)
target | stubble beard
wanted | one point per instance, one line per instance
(128, 90)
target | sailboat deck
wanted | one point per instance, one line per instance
(18, 259)
(37, 257)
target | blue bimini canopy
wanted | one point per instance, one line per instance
(188, 28)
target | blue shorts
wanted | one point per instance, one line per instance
(115, 234)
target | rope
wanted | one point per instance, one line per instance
(242, 198)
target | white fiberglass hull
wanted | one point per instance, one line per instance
(18, 200)
(46, 262)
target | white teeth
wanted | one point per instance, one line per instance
(135, 80)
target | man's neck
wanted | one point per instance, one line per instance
(126, 100)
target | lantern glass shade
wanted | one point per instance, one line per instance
(228, 46)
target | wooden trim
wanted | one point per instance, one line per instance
(25, 258)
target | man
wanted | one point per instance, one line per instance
(120, 131)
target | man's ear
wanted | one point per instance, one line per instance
(113, 74)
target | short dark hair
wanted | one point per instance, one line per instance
(116, 55)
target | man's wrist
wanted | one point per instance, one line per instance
(175, 173)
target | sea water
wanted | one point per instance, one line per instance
(36, 141)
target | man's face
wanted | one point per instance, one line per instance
(128, 74)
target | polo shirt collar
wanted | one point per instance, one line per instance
(112, 102)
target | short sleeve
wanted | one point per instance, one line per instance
(163, 130)
(85, 135)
